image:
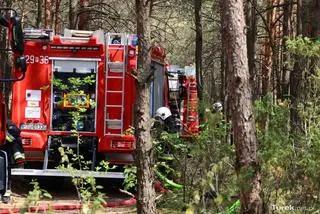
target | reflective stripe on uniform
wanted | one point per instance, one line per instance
(7, 193)
(18, 155)
(9, 137)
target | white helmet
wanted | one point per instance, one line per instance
(217, 106)
(163, 113)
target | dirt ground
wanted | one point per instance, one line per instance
(63, 193)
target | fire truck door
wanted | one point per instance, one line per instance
(157, 88)
(74, 86)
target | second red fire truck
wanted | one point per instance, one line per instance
(84, 81)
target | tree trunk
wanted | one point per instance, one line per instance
(296, 90)
(144, 148)
(84, 15)
(71, 14)
(198, 53)
(267, 62)
(296, 84)
(48, 18)
(287, 11)
(223, 58)
(307, 25)
(276, 50)
(251, 21)
(39, 13)
(240, 104)
(56, 16)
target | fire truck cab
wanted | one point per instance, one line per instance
(82, 83)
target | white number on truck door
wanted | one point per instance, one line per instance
(31, 59)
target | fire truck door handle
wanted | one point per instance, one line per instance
(45, 107)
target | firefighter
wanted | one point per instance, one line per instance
(164, 114)
(15, 152)
(165, 149)
(116, 40)
(14, 143)
(217, 107)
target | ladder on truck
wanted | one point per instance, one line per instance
(37, 34)
(190, 125)
(192, 100)
(116, 68)
(174, 99)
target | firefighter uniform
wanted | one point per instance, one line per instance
(15, 153)
(14, 144)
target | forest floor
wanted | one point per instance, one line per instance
(63, 193)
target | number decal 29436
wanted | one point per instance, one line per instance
(31, 59)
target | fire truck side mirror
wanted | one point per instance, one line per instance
(16, 35)
(22, 64)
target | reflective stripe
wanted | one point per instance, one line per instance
(18, 155)
(9, 137)
(8, 193)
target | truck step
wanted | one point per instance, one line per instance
(67, 173)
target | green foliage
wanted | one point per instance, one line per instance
(201, 164)
(34, 196)
(59, 84)
(289, 165)
(105, 166)
(89, 192)
(90, 196)
(76, 83)
(304, 46)
(130, 180)
(74, 89)
(170, 150)
(274, 142)
(289, 168)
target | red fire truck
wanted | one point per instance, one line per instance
(183, 100)
(91, 71)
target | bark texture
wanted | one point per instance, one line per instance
(267, 61)
(71, 14)
(48, 18)
(251, 21)
(223, 57)
(240, 108)
(83, 15)
(287, 13)
(198, 52)
(56, 16)
(144, 148)
(39, 13)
